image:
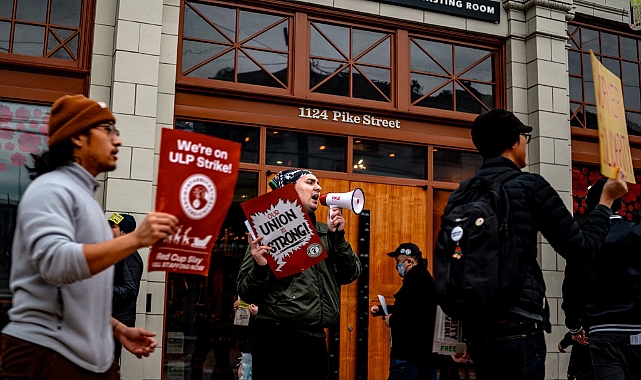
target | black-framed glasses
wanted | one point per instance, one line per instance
(111, 129)
(528, 137)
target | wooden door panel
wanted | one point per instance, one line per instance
(397, 215)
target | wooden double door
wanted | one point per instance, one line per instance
(397, 214)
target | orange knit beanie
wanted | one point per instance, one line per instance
(73, 114)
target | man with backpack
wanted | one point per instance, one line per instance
(485, 263)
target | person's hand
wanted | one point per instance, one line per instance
(236, 305)
(139, 342)
(461, 357)
(259, 251)
(581, 338)
(614, 189)
(335, 220)
(386, 319)
(156, 226)
(374, 310)
(560, 347)
(253, 309)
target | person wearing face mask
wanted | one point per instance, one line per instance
(411, 318)
(295, 310)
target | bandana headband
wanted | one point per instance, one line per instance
(285, 177)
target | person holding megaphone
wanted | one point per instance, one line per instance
(295, 310)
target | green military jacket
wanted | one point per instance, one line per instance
(308, 301)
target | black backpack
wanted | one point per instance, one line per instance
(476, 265)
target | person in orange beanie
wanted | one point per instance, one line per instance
(63, 255)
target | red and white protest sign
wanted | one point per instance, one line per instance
(279, 216)
(196, 180)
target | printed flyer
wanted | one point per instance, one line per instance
(280, 218)
(196, 179)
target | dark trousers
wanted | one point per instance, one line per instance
(514, 350)
(26, 361)
(613, 358)
(283, 353)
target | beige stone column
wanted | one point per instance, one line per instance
(538, 94)
(133, 70)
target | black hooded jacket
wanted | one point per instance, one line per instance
(537, 207)
(127, 274)
(605, 295)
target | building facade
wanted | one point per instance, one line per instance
(377, 95)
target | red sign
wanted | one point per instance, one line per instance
(196, 180)
(280, 218)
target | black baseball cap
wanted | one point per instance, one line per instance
(408, 249)
(495, 131)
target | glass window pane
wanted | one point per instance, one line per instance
(363, 88)
(319, 46)
(32, 10)
(275, 38)
(588, 83)
(199, 310)
(29, 40)
(590, 117)
(274, 62)
(576, 89)
(380, 55)
(629, 48)
(455, 165)
(197, 52)
(5, 33)
(612, 65)
(336, 85)
(442, 98)
(249, 72)
(321, 69)
(423, 62)
(304, 150)
(634, 123)
(574, 62)
(339, 35)
(65, 12)
(6, 8)
(465, 57)
(221, 68)
(439, 202)
(484, 71)
(363, 39)
(630, 81)
(223, 18)
(390, 160)
(610, 44)
(247, 136)
(424, 84)
(23, 130)
(195, 26)
(590, 40)
(253, 22)
(466, 103)
(62, 54)
(441, 52)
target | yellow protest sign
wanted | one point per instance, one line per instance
(614, 145)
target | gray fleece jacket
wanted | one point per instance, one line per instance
(56, 302)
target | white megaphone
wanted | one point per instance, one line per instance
(353, 200)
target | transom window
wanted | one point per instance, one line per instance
(619, 53)
(452, 77)
(41, 28)
(348, 61)
(235, 45)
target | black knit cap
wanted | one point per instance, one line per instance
(126, 222)
(495, 131)
(594, 196)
